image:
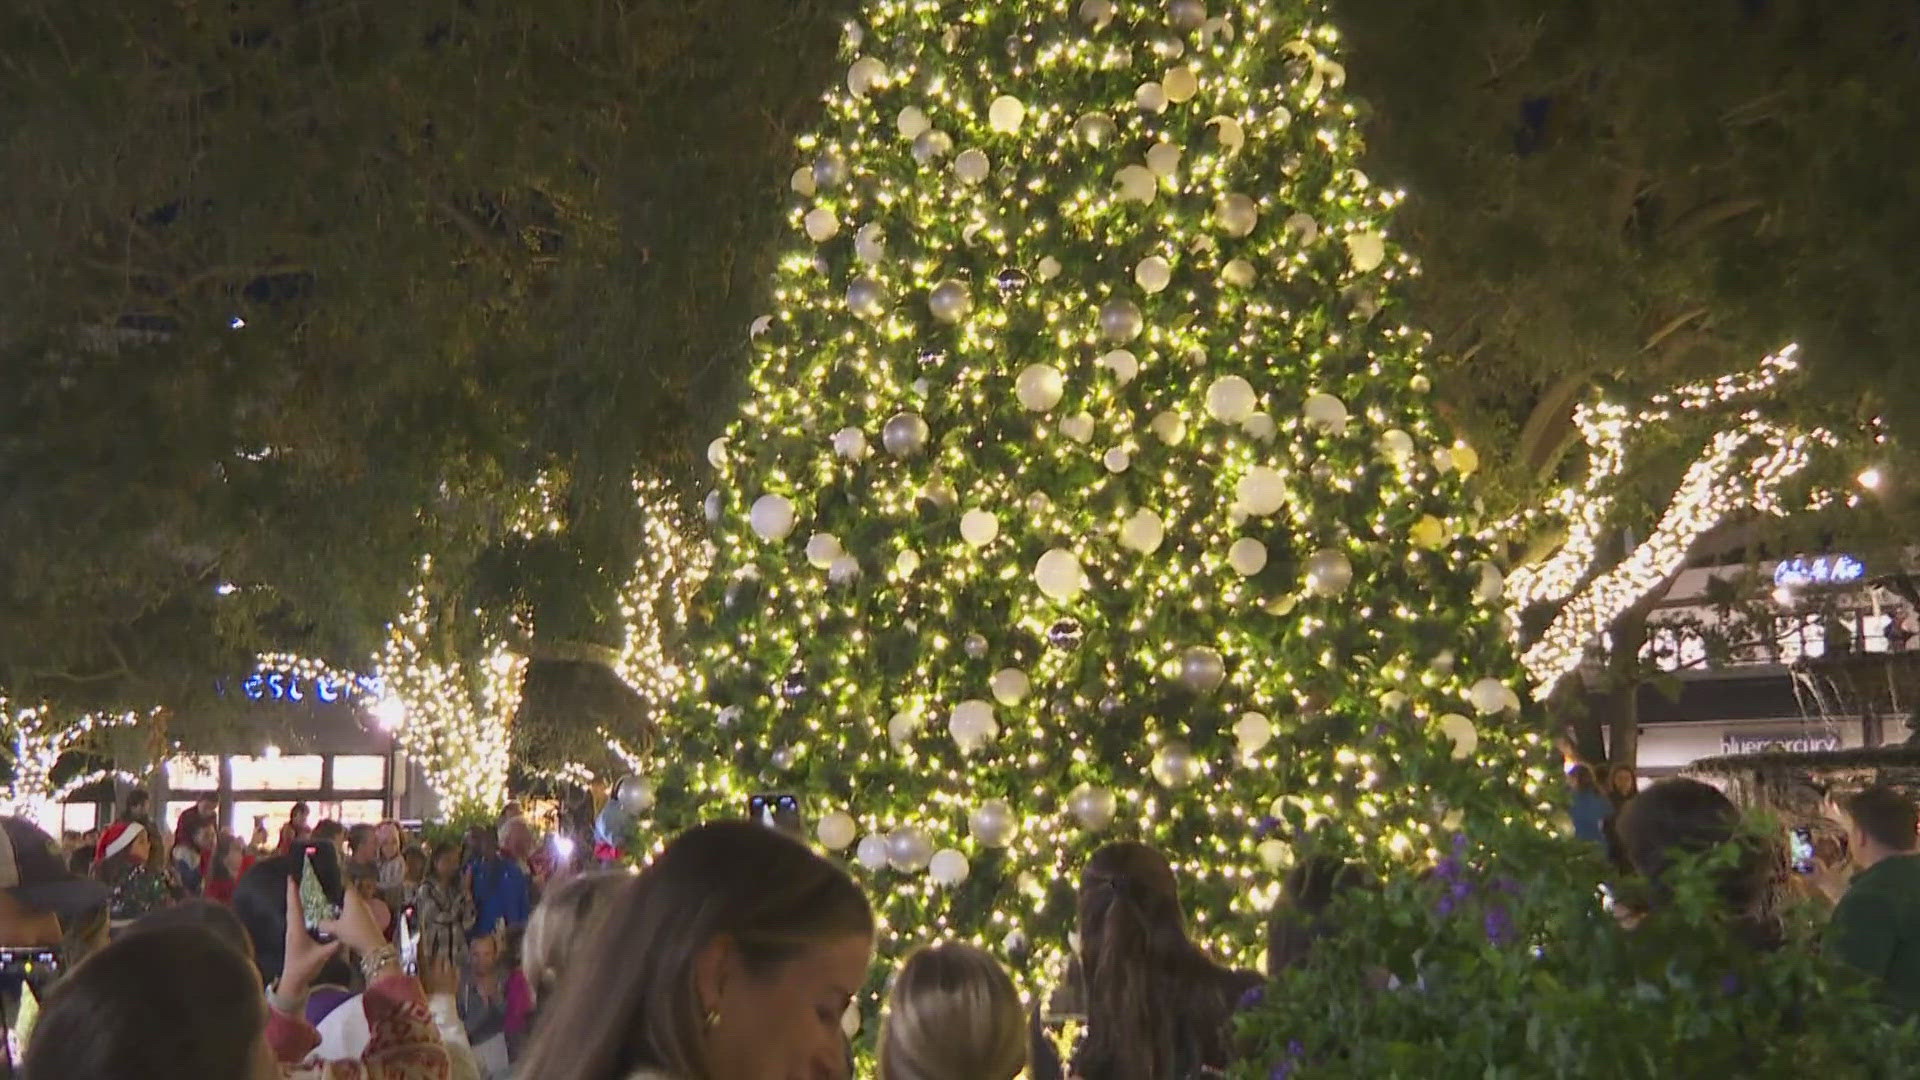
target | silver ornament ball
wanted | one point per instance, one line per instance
(1120, 320)
(904, 435)
(1202, 669)
(634, 794)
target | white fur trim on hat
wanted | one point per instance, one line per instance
(128, 835)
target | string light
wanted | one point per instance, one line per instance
(884, 408)
(39, 740)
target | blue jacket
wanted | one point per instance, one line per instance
(502, 892)
(1590, 810)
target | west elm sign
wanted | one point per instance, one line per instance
(1734, 742)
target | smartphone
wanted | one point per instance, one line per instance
(776, 811)
(22, 971)
(408, 938)
(1801, 839)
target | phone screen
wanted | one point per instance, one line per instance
(21, 970)
(409, 940)
(1802, 847)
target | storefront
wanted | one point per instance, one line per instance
(1667, 748)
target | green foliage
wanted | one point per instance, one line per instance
(472, 245)
(1508, 965)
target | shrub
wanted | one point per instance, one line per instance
(1506, 961)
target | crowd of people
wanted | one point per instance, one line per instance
(734, 955)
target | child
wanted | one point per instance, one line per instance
(229, 862)
(953, 1015)
(125, 866)
(444, 906)
(484, 1005)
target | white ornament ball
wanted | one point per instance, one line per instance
(1238, 214)
(866, 298)
(1489, 696)
(850, 443)
(1238, 273)
(822, 225)
(1047, 268)
(1465, 459)
(1143, 532)
(992, 823)
(1180, 84)
(1202, 669)
(909, 849)
(1328, 573)
(1325, 412)
(1039, 387)
(932, 145)
(972, 166)
(844, 570)
(1094, 129)
(948, 867)
(1092, 807)
(872, 852)
(1010, 686)
(1491, 586)
(1164, 159)
(1230, 399)
(1151, 97)
(634, 794)
(1275, 854)
(912, 122)
(1420, 384)
(1124, 365)
(717, 453)
(1253, 731)
(972, 725)
(850, 1020)
(1367, 250)
(1097, 13)
(901, 727)
(771, 517)
(950, 301)
(837, 830)
(1393, 700)
(907, 563)
(870, 244)
(1171, 427)
(1174, 766)
(1260, 427)
(864, 75)
(904, 435)
(802, 182)
(979, 527)
(1078, 427)
(1005, 114)
(1121, 321)
(1059, 576)
(1248, 556)
(1466, 738)
(1153, 274)
(822, 549)
(711, 507)
(1187, 14)
(1396, 445)
(1228, 132)
(1261, 492)
(1137, 184)
(1117, 460)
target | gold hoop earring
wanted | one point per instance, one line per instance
(713, 1019)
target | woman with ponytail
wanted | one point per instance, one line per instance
(1157, 1007)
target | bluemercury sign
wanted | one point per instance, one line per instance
(1734, 742)
(1819, 570)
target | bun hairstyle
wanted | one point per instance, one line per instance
(953, 1015)
(1679, 817)
(1156, 1005)
(629, 1002)
(567, 916)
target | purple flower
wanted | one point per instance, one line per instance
(1445, 907)
(1449, 869)
(1460, 843)
(1265, 826)
(1506, 885)
(1498, 925)
(1254, 996)
(1729, 984)
(1285, 1068)
(1462, 889)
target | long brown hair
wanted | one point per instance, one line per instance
(629, 1002)
(953, 1015)
(1155, 1002)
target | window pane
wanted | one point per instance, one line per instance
(359, 772)
(79, 817)
(274, 812)
(355, 811)
(284, 773)
(194, 773)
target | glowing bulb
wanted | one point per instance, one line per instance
(1871, 478)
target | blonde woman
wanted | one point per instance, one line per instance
(567, 916)
(953, 1015)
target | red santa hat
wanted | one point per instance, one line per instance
(119, 836)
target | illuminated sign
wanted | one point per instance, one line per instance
(1819, 570)
(292, 687)
(1737, 743)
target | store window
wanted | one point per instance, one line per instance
(194, 773)
(271, 814)
(287, 772)
(79, 817)
(359, 772)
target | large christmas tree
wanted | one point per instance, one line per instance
(1089, 487)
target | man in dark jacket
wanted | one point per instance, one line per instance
(1876, 924)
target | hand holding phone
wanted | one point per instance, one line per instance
(1801, 841)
